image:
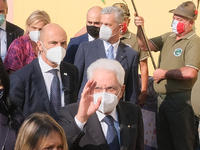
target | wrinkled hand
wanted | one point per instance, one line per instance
(139, 21)
(142, 98)
(159, 75)
(86, 105)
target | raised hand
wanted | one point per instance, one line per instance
(86, 105)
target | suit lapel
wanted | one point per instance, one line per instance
(121, 53)
(85, 37)
(124, 124)
(9, 34)
(66, 82)
(93, 127)
(100, 49)
(40, 84)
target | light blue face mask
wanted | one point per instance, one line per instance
(2, 18)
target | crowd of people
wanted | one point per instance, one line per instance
(85, 95)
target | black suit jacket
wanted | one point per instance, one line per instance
(92, 137)
(28, 89)
(88, 52)
(13, 32)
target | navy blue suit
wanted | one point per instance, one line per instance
(28, 89)
(88, 52)
(73, 46)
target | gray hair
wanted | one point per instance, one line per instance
(109, 65)
(119, 14)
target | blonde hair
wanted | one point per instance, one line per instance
(35, 130)
(37, 16)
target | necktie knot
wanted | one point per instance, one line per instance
(54, 72)
(110, 52)
(109, 120)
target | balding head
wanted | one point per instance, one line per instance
(93, 21)
(94, 12)
(52, 35)
(51, 30)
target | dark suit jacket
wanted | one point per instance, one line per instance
(28, 89)
(17, 118)
(13, 32)
(92, 137)
(88, 52)
(73, 46)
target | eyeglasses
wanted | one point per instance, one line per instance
(109, 89)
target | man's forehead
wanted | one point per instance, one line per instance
(181, 17)
(2, 4)
(108, 18)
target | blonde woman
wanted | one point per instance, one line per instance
(41, 132)
(24, 49)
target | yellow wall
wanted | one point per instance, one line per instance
(71, 14)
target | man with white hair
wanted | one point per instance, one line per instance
(8, 31)
(109, 46)
(101, 120)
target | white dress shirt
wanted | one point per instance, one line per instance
(90, 38)
(48, 77)
(3, 38)
(104, 126)
(115, 46)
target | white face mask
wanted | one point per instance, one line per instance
(108, 102)
(34, 35)
(105, 33)
(55, 54)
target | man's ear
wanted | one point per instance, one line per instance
(6, 12)
(39, 46)
(129, 20)
(120, 26)
(122, 91)
(191, 22)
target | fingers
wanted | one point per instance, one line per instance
(89, 87)
(88, 84)
(98, 103)
(139, 21)
(93, 87)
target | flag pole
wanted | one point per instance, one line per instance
(145, 38)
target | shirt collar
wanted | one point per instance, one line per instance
(187, 36)
(107, 45)
(90, 38)
(113, 114)
(127, 35)
(3, 26)
(44, 66)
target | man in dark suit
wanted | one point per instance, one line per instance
(93, 27)
(8, 31)
(33, 87)
(100, 121)
(88, 52)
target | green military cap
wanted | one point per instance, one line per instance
(124, 7)
(186, 9)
